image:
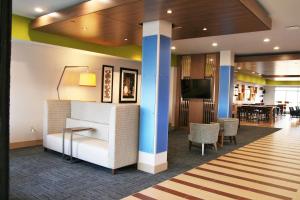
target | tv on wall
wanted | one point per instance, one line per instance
(196, 88)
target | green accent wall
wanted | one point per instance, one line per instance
(247, 78)
(283, 83)
(21, 30)
(250, 79)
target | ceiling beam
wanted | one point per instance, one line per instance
(81, 9)
(257, 10)
(267, 57)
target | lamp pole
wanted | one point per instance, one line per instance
(62, 75)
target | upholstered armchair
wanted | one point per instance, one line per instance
(204, 134)
(230, 129)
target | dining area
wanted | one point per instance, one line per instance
(256, 113)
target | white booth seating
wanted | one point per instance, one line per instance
(113, 144)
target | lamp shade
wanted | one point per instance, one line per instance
(87, 79)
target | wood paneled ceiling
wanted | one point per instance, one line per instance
(277, 66)
(110, 23)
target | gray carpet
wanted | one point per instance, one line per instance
(35, 174)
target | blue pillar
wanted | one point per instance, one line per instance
(154, 108)
(226, 84)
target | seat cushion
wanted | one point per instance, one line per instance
(85, 148)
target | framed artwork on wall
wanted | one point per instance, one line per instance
(107, 84)
(128, 85)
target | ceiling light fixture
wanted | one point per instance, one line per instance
(293, 27)
(204, 29)
(214, 44)
(104, 1)
(253, 72)
(38, 10)
(54, 14)
(259, 74)
(239, 68)
(169, 11)
(173, 47)
(267, 40)
(125, 39)
(276, 48)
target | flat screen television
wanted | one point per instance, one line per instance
(196, 88)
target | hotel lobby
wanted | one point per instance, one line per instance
(150, 99)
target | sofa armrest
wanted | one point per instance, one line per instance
(55, 114)
(123, 136)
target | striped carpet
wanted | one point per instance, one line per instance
(267, 169)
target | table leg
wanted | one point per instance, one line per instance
(71, 147)
(63, 145)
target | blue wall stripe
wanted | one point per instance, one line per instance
(225, 91)
(163, 94)
(148, 94)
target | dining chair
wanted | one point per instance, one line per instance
(204, 134)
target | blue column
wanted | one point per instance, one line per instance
(154, 108)
(226, 84)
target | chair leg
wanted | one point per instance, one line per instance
(216, 147)
(230, 139)
(202, 149)
(234, 139)
(190, 145)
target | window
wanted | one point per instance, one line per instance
(288, 94)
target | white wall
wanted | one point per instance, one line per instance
(35, 72)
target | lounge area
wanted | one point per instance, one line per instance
(149, 100)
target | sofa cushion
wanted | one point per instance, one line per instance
(85, 148)
(101, 132)
(91, 111)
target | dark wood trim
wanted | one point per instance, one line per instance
(269, 57)
(5, 52)
(136, 84)
(257, 10)
(112, 85)
(178, 92)
(281, 76)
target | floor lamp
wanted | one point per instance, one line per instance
(86, 78)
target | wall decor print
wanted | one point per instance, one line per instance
(107, 84)
(128, 85)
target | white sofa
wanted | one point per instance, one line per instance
(113, 144)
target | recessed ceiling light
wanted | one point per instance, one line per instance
(54, 14)
(125, 39)
(104, 1)
(38, 10)
(169, 11)
(259, 74)
(211, 60)
(276, 48)
(214, 44)
(173, 47)
(239, 68)
(177, 27)
(294, 27)
(267, 40)
(253, 72)
(204, 29)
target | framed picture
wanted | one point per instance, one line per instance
(107, 84)
(128, 85)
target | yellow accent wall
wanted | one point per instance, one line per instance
(21, 30)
